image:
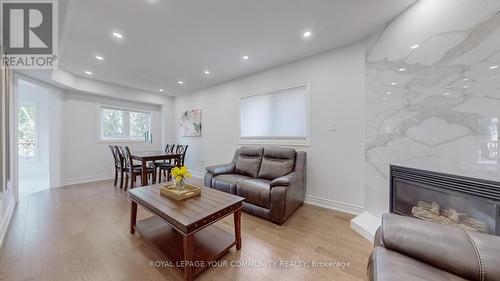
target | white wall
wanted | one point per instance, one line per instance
(336, 158)
(84, 157)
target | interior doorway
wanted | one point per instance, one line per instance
(32, 137)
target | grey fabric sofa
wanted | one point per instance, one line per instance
(271, 179)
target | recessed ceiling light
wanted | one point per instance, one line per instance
(88, 72)
(206, 72)
(161, 90)
(99, 58)
(447, 93)
(466, 86)
(388, 93)
(117, 35)
(394, 83)
(466, 79)
(401, 69)
(307, 34)
(384, 99)
(494, 67)
(245, 57)
(180, 82)
(415, 46)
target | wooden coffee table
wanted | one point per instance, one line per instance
(184, 230)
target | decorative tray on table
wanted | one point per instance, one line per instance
(171, 191)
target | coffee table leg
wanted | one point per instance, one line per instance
(188, 243)
(237, 228)
(133, 217)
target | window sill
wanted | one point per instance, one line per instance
(276, 142)
(27, 160)
(121, 141)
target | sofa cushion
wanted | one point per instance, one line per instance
(248, 162)
(227, 182)
(255, 191)
(276, 162)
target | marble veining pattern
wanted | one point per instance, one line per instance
(435, 106)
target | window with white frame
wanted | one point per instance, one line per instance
(124, 124)
(276, 116)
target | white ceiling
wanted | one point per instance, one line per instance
(170, 40)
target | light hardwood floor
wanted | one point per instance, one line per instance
(81, 232)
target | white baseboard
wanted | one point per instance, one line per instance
(334, 205)
(71, 181)
(4, 226)
(366, 224)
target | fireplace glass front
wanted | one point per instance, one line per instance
(436, 200)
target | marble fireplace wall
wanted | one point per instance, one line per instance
(433, 94)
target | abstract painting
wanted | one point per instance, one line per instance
(190, 124)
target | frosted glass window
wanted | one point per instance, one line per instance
(280, 114)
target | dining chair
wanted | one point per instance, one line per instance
(181, 149)
(120, 151)
(117, 164)
(167, 167)
(133, 171)
(121, 159)
(169, 148)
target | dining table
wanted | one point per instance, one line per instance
(145, 156)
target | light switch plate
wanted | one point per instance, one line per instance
(333, 126)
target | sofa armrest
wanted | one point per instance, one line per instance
(377, 240)
(286, 196)
(207, 179)
(221, 169)
(470, 255)
(286, 180)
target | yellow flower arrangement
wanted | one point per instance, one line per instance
(180, 173)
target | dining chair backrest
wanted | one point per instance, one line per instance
(181, 149)
(115, 156)
(172, 147)
(169, 148)
(122, 154)
(119, 154)
(126, 156)
(129, 160)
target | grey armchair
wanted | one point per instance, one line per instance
(272, 180)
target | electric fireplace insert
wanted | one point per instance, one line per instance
(470, 203)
